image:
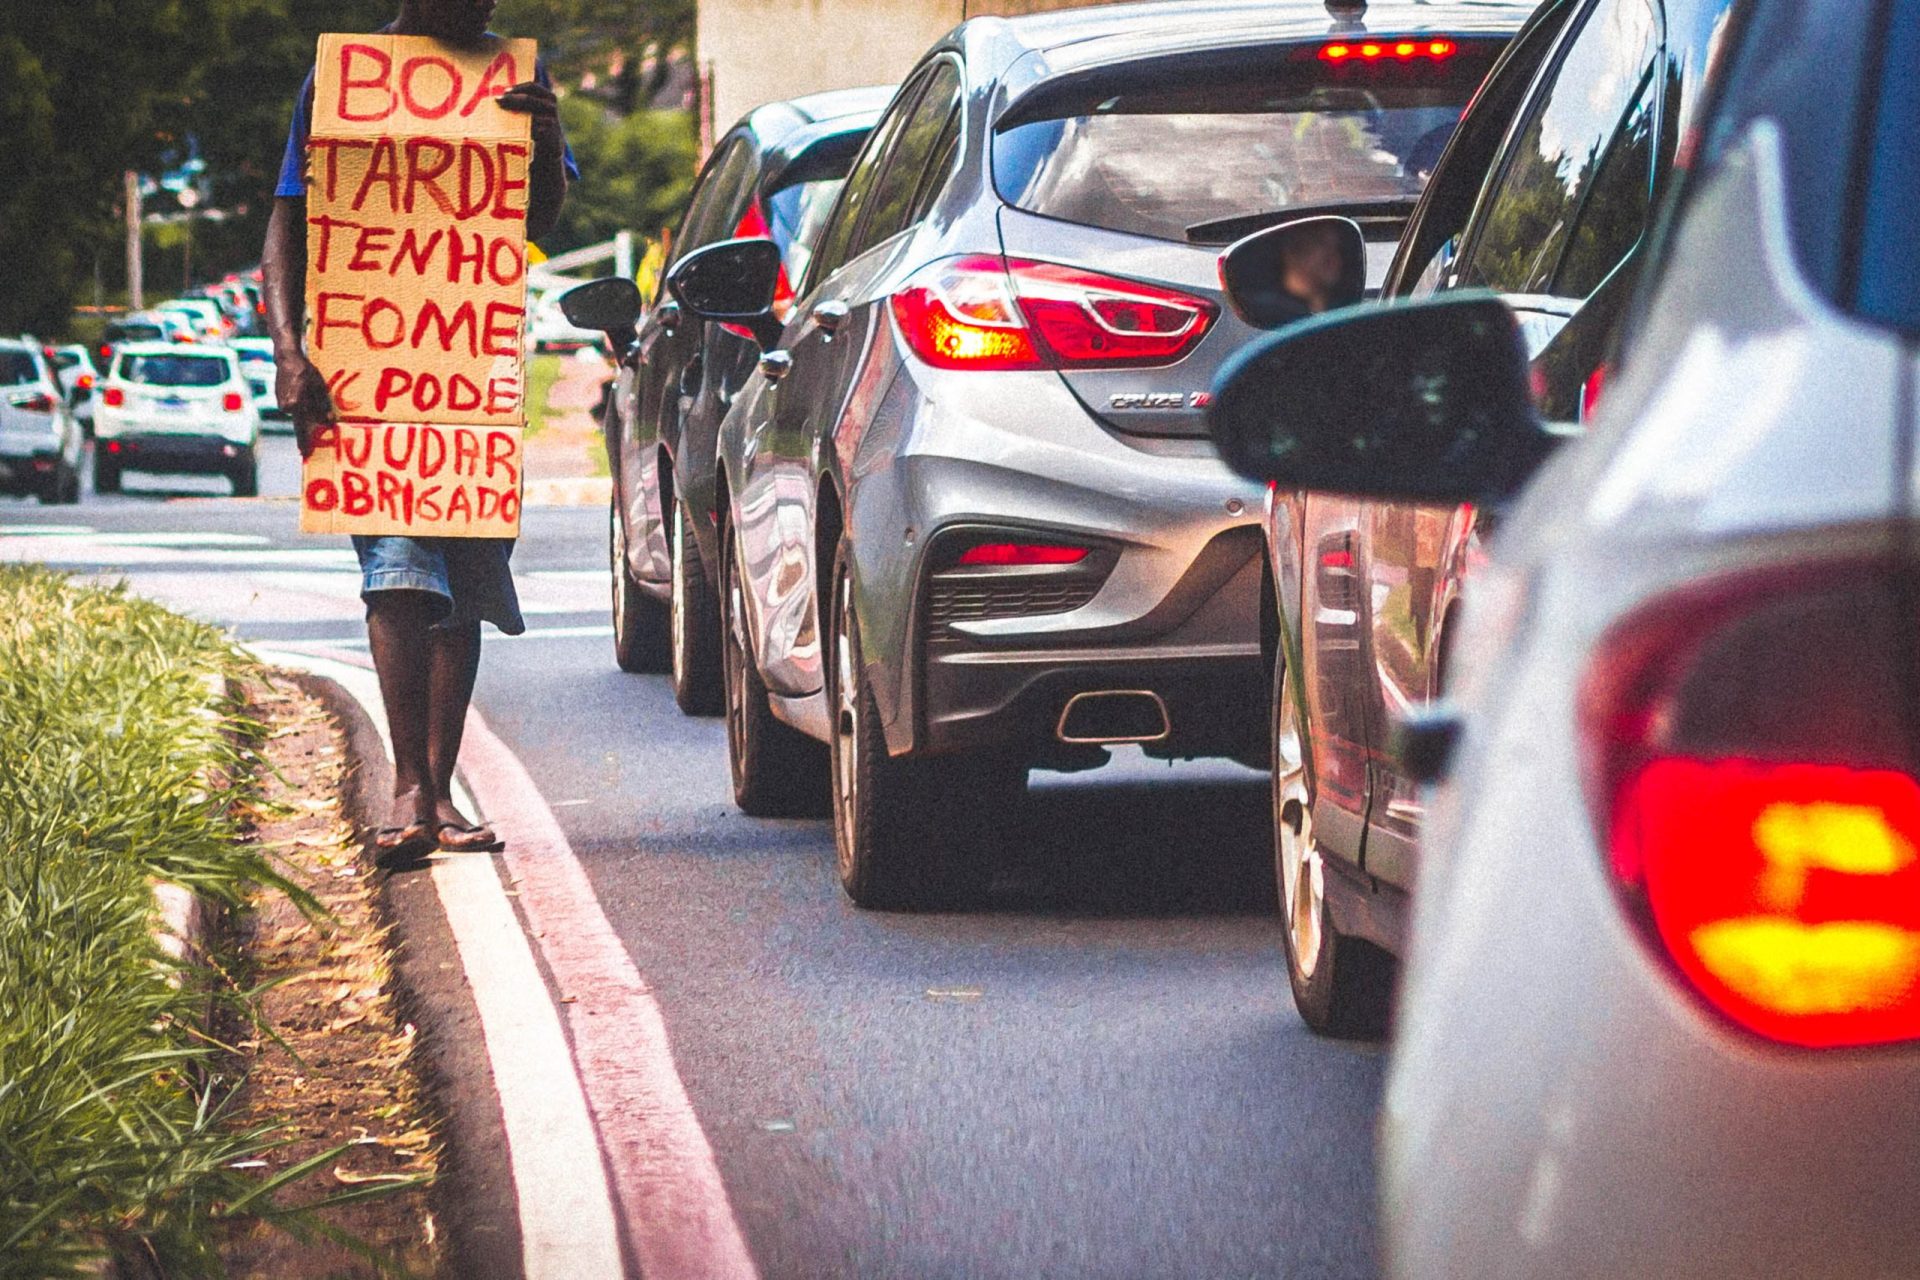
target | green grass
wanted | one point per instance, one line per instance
(112, 1134)
(542, 372)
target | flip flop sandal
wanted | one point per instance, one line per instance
(455, 837)
(402, 846)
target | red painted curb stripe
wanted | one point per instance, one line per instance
(679, 1223)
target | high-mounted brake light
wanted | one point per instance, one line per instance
(1401, 50)
(1775, 862)
(989, 313)
(1021, 554)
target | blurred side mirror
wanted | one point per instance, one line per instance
(609, 305)
(1416, 402)
(733, 282)
(1271, 276)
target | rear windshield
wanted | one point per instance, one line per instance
(174, 371)
(1166, 162)
(16, 369)
(795, 216)
(249, 356)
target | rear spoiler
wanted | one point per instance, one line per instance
(816, 152)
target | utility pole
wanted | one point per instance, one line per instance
(136, 265)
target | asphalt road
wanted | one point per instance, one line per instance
(1099, 1073)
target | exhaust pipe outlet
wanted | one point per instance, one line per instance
(1114, 716)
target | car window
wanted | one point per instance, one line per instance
(175, 371)
(795, 216)
(836, 241)
(939, 169)
(17, 369)
(1590, 128)
(706, 219)
(893, 196)
(1889, 266)
(1168, 162)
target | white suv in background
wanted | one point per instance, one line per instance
(40, 439)
(179, 409)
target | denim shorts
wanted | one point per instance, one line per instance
(469, 574)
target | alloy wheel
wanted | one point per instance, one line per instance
(1302, 873)
(846, 728)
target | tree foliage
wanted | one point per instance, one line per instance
(92, 88)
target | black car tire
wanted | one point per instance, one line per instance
(639, 621)
(693, 620)
(1342, 985)
(908, 833)
(106, 476)
(244, 475)
(778, 772)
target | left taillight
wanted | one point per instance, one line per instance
(113, 398)
(233, 402)
(38, 402)
(989, 313)
(1750, 756)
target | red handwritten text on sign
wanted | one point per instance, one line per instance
(429, 480)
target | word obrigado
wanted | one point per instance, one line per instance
(420, 478)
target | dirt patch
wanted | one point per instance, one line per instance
(343, 1071)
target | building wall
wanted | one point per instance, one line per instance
(755, 51)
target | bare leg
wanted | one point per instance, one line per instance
(399, 627)
(455, 662)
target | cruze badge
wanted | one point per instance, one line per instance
(1158, 400)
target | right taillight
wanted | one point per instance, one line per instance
(989, 313)
(1749, 753)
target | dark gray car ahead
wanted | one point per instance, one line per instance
(971, 520)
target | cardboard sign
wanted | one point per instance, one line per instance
(417, 190)
(425, 479)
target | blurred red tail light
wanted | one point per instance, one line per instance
(1750, 761)
(233, 402)
(113, 398)
(988, 313)
(40, 402)
(1022, 554)
(753, 224)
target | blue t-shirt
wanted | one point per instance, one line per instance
(293, 166)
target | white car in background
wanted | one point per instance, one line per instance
(210, 323)
(73, 364)
(41, 442)
(176, 409)
(257, 366)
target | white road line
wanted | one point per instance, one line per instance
(567, 1225)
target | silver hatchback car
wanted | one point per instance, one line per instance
(1661, 1010)
(971, 520)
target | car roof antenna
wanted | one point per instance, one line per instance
(1347, 15)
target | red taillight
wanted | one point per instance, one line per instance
(990, 313)
(233, 402)
(106, 355)
(38, 403)
(753, 224)
(1021, 553)
(113, 397)
(113, 446)
(1374, 51)
(1590, 392)
(1749, 759)
(84, 382)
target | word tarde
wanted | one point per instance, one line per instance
(416, 285)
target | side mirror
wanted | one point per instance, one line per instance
(610, 306)
(1271, 276)
(732, 282)
(1417, 402)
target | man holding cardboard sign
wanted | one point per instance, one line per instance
(421, 160)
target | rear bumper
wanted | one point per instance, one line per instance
(184, 454)
(23, 471)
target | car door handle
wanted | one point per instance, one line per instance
(830, 315)
(775, 365)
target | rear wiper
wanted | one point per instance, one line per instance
(1386, 210)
